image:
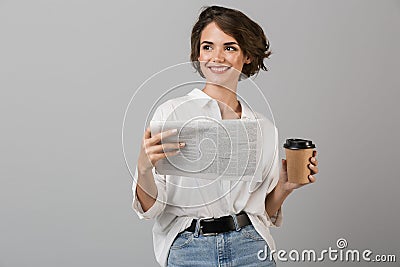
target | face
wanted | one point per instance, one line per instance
(221, 58)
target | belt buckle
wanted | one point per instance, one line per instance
(201, 227)
(206, 234)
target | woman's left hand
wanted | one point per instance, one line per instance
(283, 176)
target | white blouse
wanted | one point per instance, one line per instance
(182, 199)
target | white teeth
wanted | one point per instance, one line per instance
(219, 69)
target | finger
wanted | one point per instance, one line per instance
(314, 161)
(157, 157)
(171, 153)
(311, 179)
(284, 164)
(161, 136)
(147, 133)
(164, 147)
(313, 168)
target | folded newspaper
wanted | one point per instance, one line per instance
(225, 149)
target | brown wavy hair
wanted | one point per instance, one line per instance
(249, 35)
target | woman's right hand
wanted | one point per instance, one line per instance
(152, 150)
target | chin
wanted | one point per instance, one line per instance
(223, 80)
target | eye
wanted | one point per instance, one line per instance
(231, 48)
(206, 47)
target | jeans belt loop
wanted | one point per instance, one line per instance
(235, 222)
(197, 229)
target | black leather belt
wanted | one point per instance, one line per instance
(215, 226)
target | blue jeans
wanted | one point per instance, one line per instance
(235, 248)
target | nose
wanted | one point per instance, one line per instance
(218, 55)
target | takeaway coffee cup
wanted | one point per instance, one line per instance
(298, 154)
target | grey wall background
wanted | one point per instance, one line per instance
(69, 68)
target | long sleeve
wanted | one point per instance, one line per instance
(161, 200)
(160, 181)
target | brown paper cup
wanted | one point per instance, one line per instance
(297, 165)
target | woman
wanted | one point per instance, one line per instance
(225, 229)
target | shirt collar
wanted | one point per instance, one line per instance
(247, 112)
(199, 94)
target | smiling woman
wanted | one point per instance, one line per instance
(246, 34)
(221, 223)
(220, 54)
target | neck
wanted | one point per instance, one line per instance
(227, 99)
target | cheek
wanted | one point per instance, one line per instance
(237, 61)
(234, 59)
(203, 57)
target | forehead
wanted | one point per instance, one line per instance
(214, 34)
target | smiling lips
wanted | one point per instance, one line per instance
(219, 69)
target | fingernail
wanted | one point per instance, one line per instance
(182, 144)
(174, 130)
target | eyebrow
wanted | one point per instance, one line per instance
(228, 43)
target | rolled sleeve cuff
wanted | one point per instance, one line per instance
(158, 205)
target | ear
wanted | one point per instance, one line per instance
(247, 60)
